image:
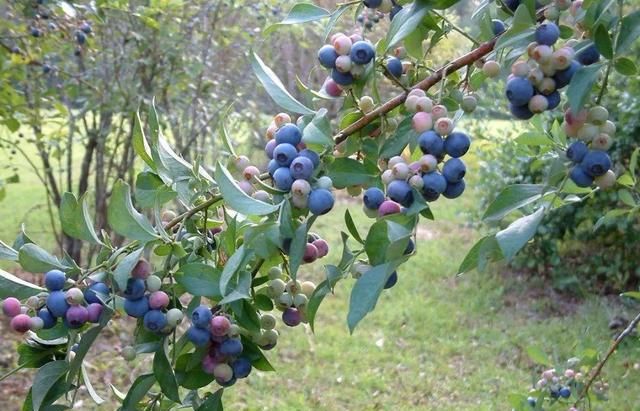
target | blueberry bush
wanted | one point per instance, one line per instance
(219, 247)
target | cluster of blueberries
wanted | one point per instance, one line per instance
(80, 36)
(347, 57)
(588, 153)
(315, 248)
(368, 18)
(224, 358)
(292, 168)
(390, 7)
(290, 297)
(559, 386)
(74, 307)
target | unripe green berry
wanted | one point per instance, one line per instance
(129, 353)
(267, 321)
(174, 317)
(598, 115)
(538, 104)
(366, 104)
(491, 68)
(469, 104)
(417, 92)
(608, 127)
(520, 69)
(601, 142)
(416, 182)
(308, 288)
(424, 104)
(261, 195)
(285, 300)
(293, 287)
(387, 177)
(300, 300)
(411, 103)
(370, 213)
(588, 132)
(154, 283)
(234, 331)
(275, 273)
(354, 191)
(36, 323)
(547, 86)
(74, 296)
(551, 13)
(275, 288)
(33, 302)
(324, 182)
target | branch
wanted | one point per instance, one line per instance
(627, 331)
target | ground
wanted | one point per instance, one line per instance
(436, 341)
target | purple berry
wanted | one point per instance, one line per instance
(220, 325)
(388, 207)
(21, 323)
(322, 246)
(241, 367)
(291, 317)
(158, 300)
(289, 134)
(269, 147)
(141, 270)
(76, 316)
(95, 311)
(11, 307)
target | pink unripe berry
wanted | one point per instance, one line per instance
(322, 246)
(400, 171)
(355, 37)
(332, 88)
(601, 142)
(335, 36)
(220, 325)
(11, 307)
(444, 126)
(421, 122)
(538, 104)
(439, 111)
(532, 46)
(562, 58)
(343, 64)
(209, 364)
(395, 160)
(271, 131)
(310, 253)
(242, 162)
(300, 188)
(158, 300)
(246, 187)
(250, 172)
(21, 323)
(400, 52)
(535, 76)
(575, 119)
(548, 374)
(428, 163)
(141, 270)
(414, 167)
(542, 53)
(300, 201)
(424, 104)
(417, 92)
(569, 373)
(281, 119)
(387, 177)
(307, 288)
(575, 7)
(261, 195)
(570, 130)
(411, 103)
(388, 207)
(491, 68)
(520, 69)
(342, 44)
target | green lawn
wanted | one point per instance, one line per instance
(435, 342)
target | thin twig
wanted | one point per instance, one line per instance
(456, 28)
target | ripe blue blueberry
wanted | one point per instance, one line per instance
(577, 151)
(135, 289)
(327, 56)
(57, 303)
(431, 143)
(362, 52)
(372, 4)
(434, 185)
(580, 177)
(201, 316)
(531, 401)
(301, 168)
(519, 91)
(394, 66)
(241, 367)
(231, 347)
(547, 33)
(155, 320)
(284, 154)
(35, 32)
(372, 198)
(228, 383)
(85, 28)
(521, 112)
(589, 55)
(81, 38)
(596, 163)
(553, 100)
(454, 190)
(272, 167)
(400, 191)
(288, 133)
(46, 69)
(282, 178)
(563, 77)
(198, 336)
(54, 280)
(391, 281)
(47, 318)
(497, 26)
(457, 144)
(343, 79)
(311, 155)
(320, 201)
(90, 294)
(565, 392)
(136, 308)
(454, 170)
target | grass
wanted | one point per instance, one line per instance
(436, 341)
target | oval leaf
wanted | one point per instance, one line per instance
(36, 260)
(125, 219)
(75, 219)
(45, 379)
(300, 13)
(238, 199)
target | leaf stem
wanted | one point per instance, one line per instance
(454, 27)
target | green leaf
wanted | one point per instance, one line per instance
(300, 13)
(87, 383)
(124, 219)
(609, 217)
(322, 290)
(629, 32)
(603, 41)
(236, 262)
(239, 286)
(440, 4)
(200, 280)
(351, 226)
(405, 22)
(345, 171)
(581, 85)
(365, 293)
(512, 198)
(626, 197)
(138, 391)
(212, 402)
(335, 15)
(483, 251)
(533, 138)
(45, 379)
(226, 139)
(632, 294)
(124, 268)
(521, 31)
(88, 338)
(75, 219)
(238, 199)
(246, 315)
(34, 259)
(140, 145)
(12, 286)
(625, 66)
(7, 252)
(394, 145)
(318, 131)
(538, 356)
(152, 191)
(163, 372)
(274, 87)
(518, 233)
(297, 247)
(254, 353)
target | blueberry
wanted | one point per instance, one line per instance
(580, 177)
(431, 143)
(563, 77)
(588, 55)
(95, 311)
(343, 79)
(291, 317)
(201, 316)
(228, 383)
(35, 32)
(241, 367)
(400, 191)
(269, 147)
(81, 38)
(521, 112)
(434, 185)
(596, 163)
(85, 28)
(90, 293)
(497, 26)
(457, 144)
(198, 336)
(531, 401)
(372, 4)
(547, 33)
(320, 201)
(136, 308)
(454, 170)
(76, 316)
(311, 155)
(135, 289)
(272, 167)
(282, 178)
(391, 281)
(372, 198)
(54, 280)
(454, 190)
(57, 303)
(289, 133)
(553, 100)
(154, 320)
(362, 52)
(327, 56)
(301, 168)
(577, 151)
(565, 392)
(512, 4)
(231, 347)
(519, 91)
(46, 69)
(394, 66)
(284, 154)
(394, 10)
(47, 318)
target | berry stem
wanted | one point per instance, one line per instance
(454, 27)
